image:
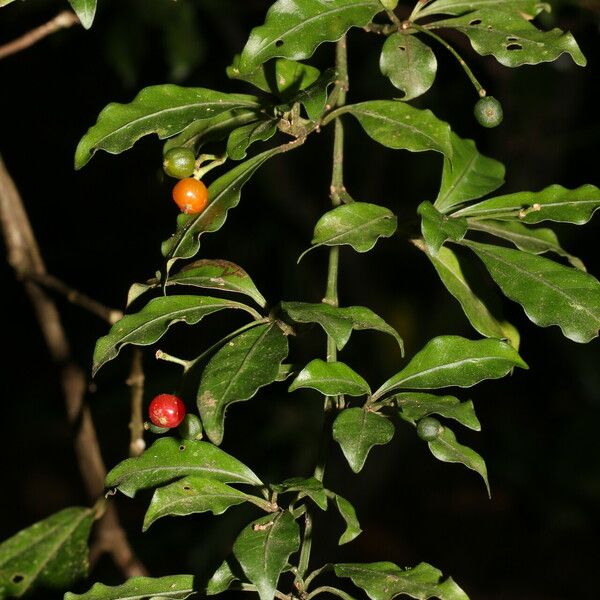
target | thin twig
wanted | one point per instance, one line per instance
(136, 383)
(62, 20)
(25, 258)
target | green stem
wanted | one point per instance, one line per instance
(326, 589)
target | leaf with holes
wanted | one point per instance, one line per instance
(347, 513)
(385, 580)
(447, 449)
(177, 587)
(169, 459)
(414, 406)
(550, 293)
(409, 64)
(534, 240)
(85, 11)
(152, 322)
(400, 126)
(263, 549)
(224, 194)
(207, 274)
(331, 379)
(295, 28)
(554, 203)
(511, 39)
(162, 109)
(51, 554)
(451, 360)
(311, 487)
(358, 224)
(339, 322)
(528, 9)
(242, 138)
(237, 371)
(357, 431)
(468, 176)
(438, 228)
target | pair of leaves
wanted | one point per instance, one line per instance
(175, 587)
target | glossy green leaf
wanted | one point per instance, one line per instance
(357, 431)
(385, 580)
(550, 293)
(263, 549)
(409, 64)
(438, 228)
(224, 194)
(314, 97)
(151, 323)
(526, 8)
(191, 495)
(511, 39)
(447, 449)
(51, 554)
(534, 240)
(222, 580)
(237, 371)
(85, 11)
(358, 224)
(448, 268)
(5, 2)
(331, 379)
(242, 138)
(202, 131)
(468, 175)
(177, 587)
(162, 109)
(415, 405)
(451, 360)
(294, 28)
(399, 126)
(554, 203)
(347, 513)
(207, 274)
(339, 322)
(311, 487)
(169, 459)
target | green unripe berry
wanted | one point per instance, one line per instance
(190, 428)
(488, 112)
(152, 428)
(179, 163)
(389, 4)
(429, 429)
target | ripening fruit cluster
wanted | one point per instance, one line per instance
(190, 194)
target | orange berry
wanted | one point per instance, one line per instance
(190, 195)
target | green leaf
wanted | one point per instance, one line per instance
(5, 2)
(331, 379)
(224, 194)
(414, 406)
(526, 8)
(409, 64)
(468, 176)
(339, 322)
(85, 11)
(347, 513)
(451, 360)
(207, 274)
(511, 39)
(385, 580)
(314, 97)
(438, 228)
(242, 138)
(357, 431)
(550, 293)
(169, 459)
(162, 109)
(447, 449)
(237, 371)
(192, 495)
(448, 268)
(151, 323)
(358, 224)
(399, 126)
(294, 28)
(178, 587)
(311, 487)
(533, 240)
(263, 549)
(221, 580)
(51, 554)
(554, 203)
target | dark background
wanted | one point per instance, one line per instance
(100, 230)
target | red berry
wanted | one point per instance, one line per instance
(190, 195)
(166, 410)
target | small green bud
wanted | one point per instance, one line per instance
(190, 428)
(389, 4)
(488, 112)
(152, 428)
(429, 429)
